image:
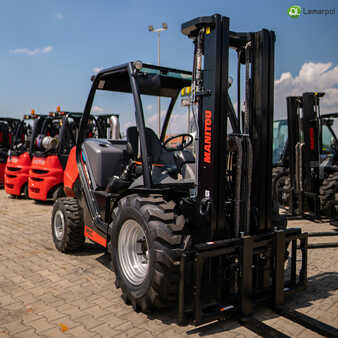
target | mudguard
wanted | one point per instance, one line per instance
(71, 173)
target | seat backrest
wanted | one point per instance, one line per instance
(153, 143)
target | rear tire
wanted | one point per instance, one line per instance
(148, 271)
(25, 191)
(67, 225)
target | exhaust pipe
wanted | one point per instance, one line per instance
(113, 132)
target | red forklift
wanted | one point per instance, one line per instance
(20, 155)
(52, 147)
(47, 172)
(7, 130)
(208, 243)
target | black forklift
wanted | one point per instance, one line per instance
(305, 177)
(210, 243)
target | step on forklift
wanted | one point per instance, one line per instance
(7, 130)
(305, 178)
(208, 243)
(20, 154)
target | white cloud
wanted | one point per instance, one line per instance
(97, 109)
(47, 49)
(28, 51)
(312, 77)
(178, 122)
(59, 16)
(97, 69)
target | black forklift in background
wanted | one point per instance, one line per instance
(209, 243)
(305, 179)
(8, 128)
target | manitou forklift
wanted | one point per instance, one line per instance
(7, 130)
(306, 176)
(209, 242)
(20, 154)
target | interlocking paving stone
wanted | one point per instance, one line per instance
(43, 290)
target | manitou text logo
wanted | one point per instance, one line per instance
(207, 136)
(294, 11)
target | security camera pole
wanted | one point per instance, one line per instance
(158, 31)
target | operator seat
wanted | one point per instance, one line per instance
(156, 151)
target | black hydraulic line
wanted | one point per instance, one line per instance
(322, 234)
(239, 86)
(261, 329)
(235, 145)
(235, 124)
(308, 322)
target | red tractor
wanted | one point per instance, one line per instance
(20, 155)
(7, 130)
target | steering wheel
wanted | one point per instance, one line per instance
(179, 146)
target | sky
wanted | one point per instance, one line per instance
(50, 48)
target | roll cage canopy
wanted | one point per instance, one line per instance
(152, 80)
(138, 79)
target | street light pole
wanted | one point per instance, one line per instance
(158, 31)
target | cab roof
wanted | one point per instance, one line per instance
(151, 79)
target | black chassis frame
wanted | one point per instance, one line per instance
(231, 267)
(303, 152)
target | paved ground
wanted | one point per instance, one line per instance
(49, 294)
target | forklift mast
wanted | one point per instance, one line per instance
(213, 39)
(304, 146)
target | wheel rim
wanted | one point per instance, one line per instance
(133, 252)
(59, 225)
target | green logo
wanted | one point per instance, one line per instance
(294, 11)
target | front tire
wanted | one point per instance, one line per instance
(67, 225)
(147, 238)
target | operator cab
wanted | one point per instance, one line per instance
(108, 163)
(329, 138)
